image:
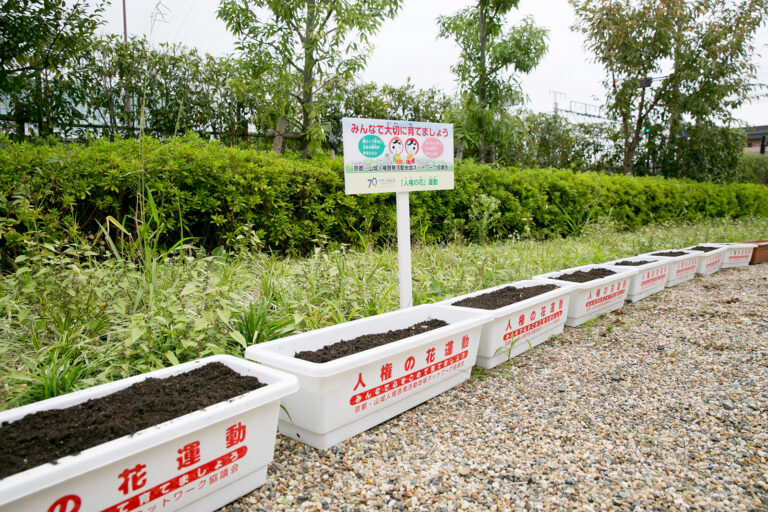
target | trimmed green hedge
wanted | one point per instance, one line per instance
(64, 191)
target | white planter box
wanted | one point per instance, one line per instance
(341, 398)
(709, 262)
(520, 326)
(650, 278)
(681, 268)
(594, 298)
(141, 472)
(736, 254)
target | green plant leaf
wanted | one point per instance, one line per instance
(171, 357)
(239, 338)
(136, 332)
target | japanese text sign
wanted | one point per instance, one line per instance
(396, 156)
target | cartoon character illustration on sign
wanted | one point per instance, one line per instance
(411, 148)
(396, 147)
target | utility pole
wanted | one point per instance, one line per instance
(125, 25)
(127, 94)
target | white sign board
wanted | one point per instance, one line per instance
(396, 156)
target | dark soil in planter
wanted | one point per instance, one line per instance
(580, 276)
(504, 297)
(365, 342)
(702, 248)
(670, 254)
(628, 263)
(46, 436)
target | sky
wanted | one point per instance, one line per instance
(408, 47)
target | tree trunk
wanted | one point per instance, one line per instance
(481, 150)
(307, 88)
(243, 122)
(18, 117)
(481, 86)
(631, 144)
(39, 90)
(629, 157)
(277, 145)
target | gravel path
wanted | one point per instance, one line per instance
(660, 406)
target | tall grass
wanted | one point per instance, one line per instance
(71, 317)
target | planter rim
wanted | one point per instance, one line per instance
(21, 484)
(738, 245)
(621, 272)
(562, 289)
(718, 249)
(657, 262)
(685, 256)
(757, 243)
(266, 353)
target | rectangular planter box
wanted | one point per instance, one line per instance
(737, 254)
(342, 398)
(594, 298)
(650, 278)
(520, 326)
(681, 268)
(141, 472)
(760, 253)
(709, 262)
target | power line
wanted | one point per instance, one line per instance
(184, 21)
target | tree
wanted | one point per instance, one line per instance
(38, 40)
(488, 51)
(113, 71)
(39, 34)
(368, 100)
(705, 45)
(702, 151)
(310, 43)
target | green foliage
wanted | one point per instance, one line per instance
(368, 100)
(488, 50)
(702, 152)
(181, 91)
(549, 140)
(257, 325)
(752, 168)
(707, 44)
(39, 40)
(309, 44)
(212, 195)
(71, 316)
(38, 35)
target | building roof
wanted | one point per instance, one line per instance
(756, 131)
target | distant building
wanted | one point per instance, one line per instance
(755, 136)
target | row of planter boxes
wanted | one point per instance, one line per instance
(342, 398)
(326, 403)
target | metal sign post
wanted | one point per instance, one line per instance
(404, 249)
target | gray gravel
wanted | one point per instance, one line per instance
(660, 406)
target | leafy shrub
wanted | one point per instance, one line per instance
(706, 152)
(218, 195)
(752, 168)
